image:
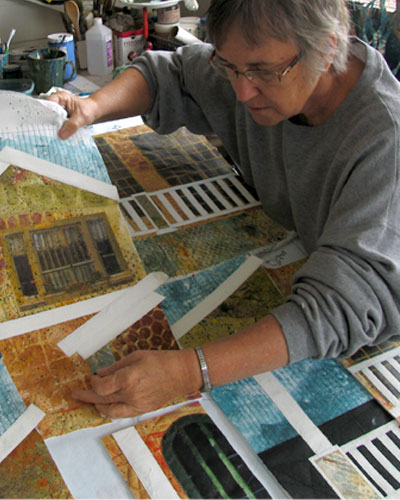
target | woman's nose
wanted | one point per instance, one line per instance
(244, 88)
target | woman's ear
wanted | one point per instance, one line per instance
(332, 44)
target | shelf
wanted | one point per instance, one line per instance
(162, 4)
(56, 7)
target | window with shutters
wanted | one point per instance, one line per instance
(72, 257)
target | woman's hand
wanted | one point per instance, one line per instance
(142, 382)
(81, 111)
(126, 95)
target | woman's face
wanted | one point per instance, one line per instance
(268, 102)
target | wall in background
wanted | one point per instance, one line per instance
(34, 21)
(31, 21)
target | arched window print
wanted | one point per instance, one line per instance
(205, 463)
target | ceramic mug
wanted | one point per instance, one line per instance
(47, 69)
(3, 62)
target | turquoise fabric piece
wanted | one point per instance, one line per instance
(11, 403)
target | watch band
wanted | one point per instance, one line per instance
(204, 370)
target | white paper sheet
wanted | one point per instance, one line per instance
(31, 125)
(144, 464)
(85, 464)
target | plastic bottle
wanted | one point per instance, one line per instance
(99, 48)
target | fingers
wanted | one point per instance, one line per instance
(90, 396)
(69, 128)
(79, 111)
(60, 98)
(141, 382)
(104, 386)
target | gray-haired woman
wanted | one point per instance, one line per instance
(311, 118)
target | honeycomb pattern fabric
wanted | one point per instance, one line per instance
(152, 331)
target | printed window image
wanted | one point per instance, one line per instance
(63, 259)
(204, 462)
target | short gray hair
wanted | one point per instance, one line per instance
(309, 23)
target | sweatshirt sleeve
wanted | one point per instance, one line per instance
(177, 98)
(347, 295)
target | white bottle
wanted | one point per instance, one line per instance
(99, 48)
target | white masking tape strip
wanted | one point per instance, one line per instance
(56, 172)
(134, 215)
(19, 430)
(116, 317)
(182, 205)
(188, 194)
(204, 196)
(291, 410)
(229, 193)
(144, 464)
(165, 202)
(222, 199)
(385, 356)
(217, 297)
(380, 386)
(371, 471)
(52, 317)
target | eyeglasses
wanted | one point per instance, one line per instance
(228, 71)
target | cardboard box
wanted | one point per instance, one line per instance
(128, 45)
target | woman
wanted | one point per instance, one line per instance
(310, 116)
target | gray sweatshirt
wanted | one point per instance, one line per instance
(335, 184)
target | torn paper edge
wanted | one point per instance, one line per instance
(10, 156)
(293, 413)
(19, 430)
(216, 298)
(144, 464)
(116, 317)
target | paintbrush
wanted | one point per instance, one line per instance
(54, 50)
(12, 33)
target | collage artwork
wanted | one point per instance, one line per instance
(163, 246)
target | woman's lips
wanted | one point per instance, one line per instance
(257, 109)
